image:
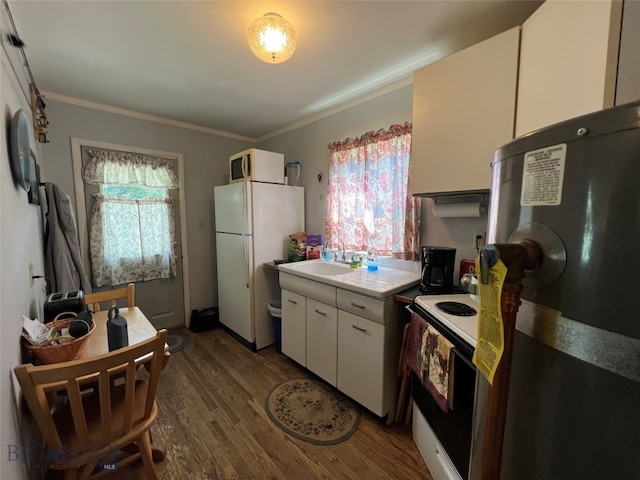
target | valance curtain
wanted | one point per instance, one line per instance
(131, 239)
(109, 167)
(368, 199)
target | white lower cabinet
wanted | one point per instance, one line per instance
(322, 340)
(361, 360)
(294, 326)
(350, 340)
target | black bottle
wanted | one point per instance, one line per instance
(117, 333)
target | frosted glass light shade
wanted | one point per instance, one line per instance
(271, 38)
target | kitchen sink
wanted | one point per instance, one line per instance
(322, 268)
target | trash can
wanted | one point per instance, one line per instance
(275, 309)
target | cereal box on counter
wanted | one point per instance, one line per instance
(314, 247)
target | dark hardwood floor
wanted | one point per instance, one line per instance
(213, 423)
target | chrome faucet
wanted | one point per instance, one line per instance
(335, 258)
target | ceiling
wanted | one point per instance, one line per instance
(188, 61)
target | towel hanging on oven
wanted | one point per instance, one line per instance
(437, 367)
(419, 362)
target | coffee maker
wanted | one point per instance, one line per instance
(437, 270)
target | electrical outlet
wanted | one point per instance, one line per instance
(201, 223)
(479, 239)
(31, 274)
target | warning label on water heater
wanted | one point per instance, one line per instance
(542, 175)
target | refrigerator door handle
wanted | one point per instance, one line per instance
(245, 249)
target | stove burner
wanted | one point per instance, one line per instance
(456, 308)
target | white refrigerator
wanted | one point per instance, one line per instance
(253, 221)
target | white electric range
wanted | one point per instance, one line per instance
(464, 326)
(444, 437)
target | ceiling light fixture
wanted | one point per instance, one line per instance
(271, 38)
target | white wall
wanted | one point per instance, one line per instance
(21, 243)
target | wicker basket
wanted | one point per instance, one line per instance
(65, 348)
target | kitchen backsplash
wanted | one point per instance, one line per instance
(456, 233)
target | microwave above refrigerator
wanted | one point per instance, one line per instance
(256, 165)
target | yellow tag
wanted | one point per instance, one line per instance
(490, 344)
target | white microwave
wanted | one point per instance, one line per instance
(256, 165)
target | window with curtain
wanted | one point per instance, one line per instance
(368, 197)
(132, 223)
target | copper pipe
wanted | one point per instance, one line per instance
(517, 257)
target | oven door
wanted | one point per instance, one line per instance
(452, 428)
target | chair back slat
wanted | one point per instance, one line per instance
(77, 410)
(130, 386)
(157, 364)
(104, 390)
(108, 382)
(40, 407)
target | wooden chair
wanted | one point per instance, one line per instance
(109, 411)
(128, 292)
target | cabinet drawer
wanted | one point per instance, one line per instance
(318, 291)
(363, 306)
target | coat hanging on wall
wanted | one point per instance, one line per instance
(63, 262)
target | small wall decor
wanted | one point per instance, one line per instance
(20, 150)
(40, 121)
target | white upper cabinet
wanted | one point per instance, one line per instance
(463, 111)
(627, 84)
(568, 62)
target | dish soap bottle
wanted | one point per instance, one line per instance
(372, 259)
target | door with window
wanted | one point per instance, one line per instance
(133, 225)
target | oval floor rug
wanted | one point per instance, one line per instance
(312, 411)
(177, 341)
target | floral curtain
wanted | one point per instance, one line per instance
(131, 240)
(124, 168)
(368, 199)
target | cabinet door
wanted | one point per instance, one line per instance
(361, 355)
(294, 329)
(322, 340)
(568, 61)
(463, 111)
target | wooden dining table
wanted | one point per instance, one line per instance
(139, 328)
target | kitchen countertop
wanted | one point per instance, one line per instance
(380, 283)
(408, 295)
